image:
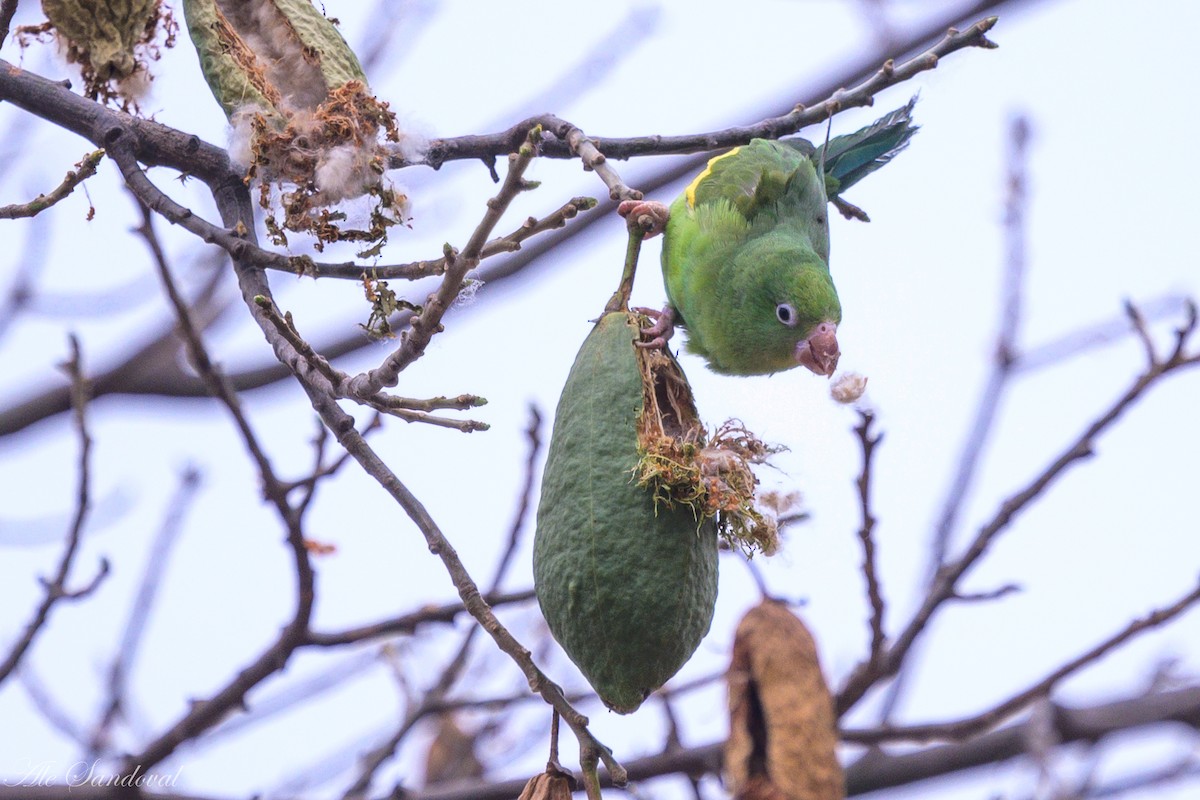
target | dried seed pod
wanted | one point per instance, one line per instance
(279, 55)
(782, 728)
(627, 586)
(111, 41)
(303, 116)
(550, 785)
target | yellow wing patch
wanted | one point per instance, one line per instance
(690, 191)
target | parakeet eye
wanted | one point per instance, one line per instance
(786, 313)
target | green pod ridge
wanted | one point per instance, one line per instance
(339, 64)
(627, 589)
(229, 65)
(278, 55)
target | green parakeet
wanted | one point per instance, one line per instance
(746, 251)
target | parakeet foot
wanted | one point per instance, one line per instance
(849, 210)
(662, 329)
(651, 215)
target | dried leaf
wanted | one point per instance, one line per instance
(550, 785)
(783, 735)
(451, 754)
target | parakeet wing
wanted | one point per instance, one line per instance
(752, 178)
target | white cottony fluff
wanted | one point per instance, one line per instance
(848, 387)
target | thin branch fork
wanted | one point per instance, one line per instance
(56, 587)
(874, 594)
(236, 207)
(205, 714)
(424, 325)
(159, 145)
(945, 584)
(407, 409)
(350, 270)
(961, 729)
(84, 169)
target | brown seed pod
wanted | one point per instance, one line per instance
(112, 42)
(782, 728)
(553, 784)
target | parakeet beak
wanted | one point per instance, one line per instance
(819, 352)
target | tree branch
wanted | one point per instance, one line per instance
(945, 584)
(56, 588)
(874, 593)
(961, 729)
(561, 145)
(424, 325)
(205, 714)
(160, 145)
(84, 169)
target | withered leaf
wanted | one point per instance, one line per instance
(549, 785)
(451, 754)
(782, 728)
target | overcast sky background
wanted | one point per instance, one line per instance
(1112, 216)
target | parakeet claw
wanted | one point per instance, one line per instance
(819, 352)
(662, 329)
(651, 215)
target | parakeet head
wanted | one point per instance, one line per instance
(784, 307)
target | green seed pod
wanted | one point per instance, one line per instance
(274, 54)
(627, 585)
(111, 41)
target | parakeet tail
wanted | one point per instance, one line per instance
(851, 157)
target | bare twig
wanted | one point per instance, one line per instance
(398, 407)
(945, 584)
(595, 161)
(50, 709)
(874, 593)
(986, 597)
(1096, 335)
(427, 323)
(351, 270)
(408, 623)
(961, 729)
(998, 379)
(139, 610)
(321, 470)
(560, 146)
(504, 701)
(56, 587)
(84, 169)
(203, 715)
(533, 436)
(435, 697)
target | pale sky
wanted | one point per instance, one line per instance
(1111, 207)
